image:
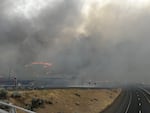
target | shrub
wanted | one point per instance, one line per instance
(36, 102)
(3, 93)
(76, 94)
(29, 107)
(16, 94)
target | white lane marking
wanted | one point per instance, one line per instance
(129, 103)
(145, 91)
(140, 104)
(139, 98)
(140, 111)
(145, 96)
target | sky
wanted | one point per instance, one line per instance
(86, 39)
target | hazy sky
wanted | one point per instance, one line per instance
(87, 39)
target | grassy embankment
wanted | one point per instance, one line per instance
(68, 100)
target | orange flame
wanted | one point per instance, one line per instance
(46, 64)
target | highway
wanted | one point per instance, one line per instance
(131, 100)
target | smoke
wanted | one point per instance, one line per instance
(86, 40)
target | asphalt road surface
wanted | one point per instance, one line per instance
(131, 100)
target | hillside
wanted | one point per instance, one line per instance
(67, 100)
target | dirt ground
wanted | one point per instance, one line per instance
(68, 100)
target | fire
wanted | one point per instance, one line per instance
(46, 64)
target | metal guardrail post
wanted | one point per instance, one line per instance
(13, 108)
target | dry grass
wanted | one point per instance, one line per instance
(70, 100)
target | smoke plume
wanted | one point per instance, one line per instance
(86, 40)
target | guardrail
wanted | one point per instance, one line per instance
(12, 108)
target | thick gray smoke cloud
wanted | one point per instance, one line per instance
(112, 45)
